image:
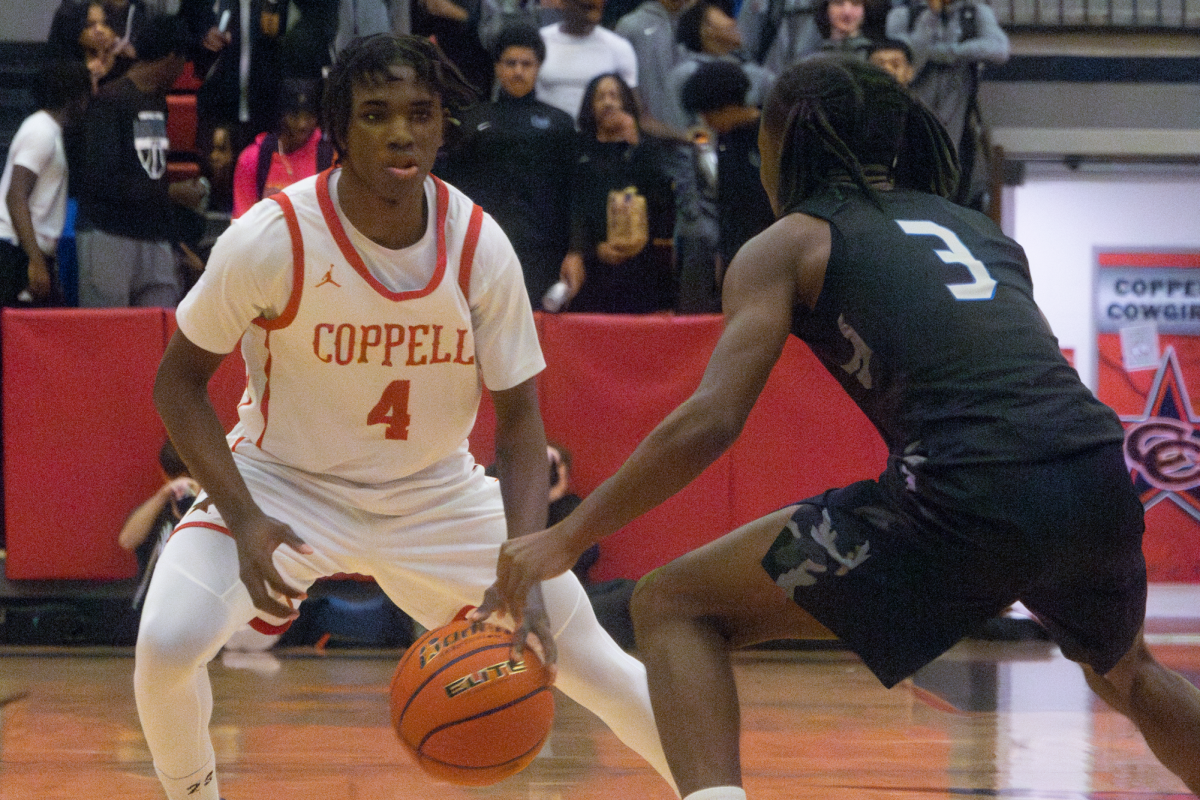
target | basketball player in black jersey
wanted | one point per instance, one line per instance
(1005, 478)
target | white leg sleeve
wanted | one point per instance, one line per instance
(718, 793)
(594, 671)
(194, 603)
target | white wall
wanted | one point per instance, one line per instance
(1061, 220)
(25, 20)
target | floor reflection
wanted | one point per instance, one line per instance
(1011, 720)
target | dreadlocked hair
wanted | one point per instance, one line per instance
(369, 59)
(841, 120)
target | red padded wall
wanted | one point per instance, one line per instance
(609, 380)
(79, 434)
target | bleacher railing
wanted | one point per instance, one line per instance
(1116, 15)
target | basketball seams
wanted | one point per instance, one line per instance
(527, 755)
(421, 687)
(480, 715)
(456, 695)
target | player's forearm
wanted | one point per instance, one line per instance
(675, 453)
(181, 397)
(521, 461)
(197, 434)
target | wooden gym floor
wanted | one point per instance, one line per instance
(989, 719)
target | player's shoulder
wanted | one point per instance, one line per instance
(458, 205)
(301, 198)
(459, 210)
(263, 227)
(792, 241)
(795, 232)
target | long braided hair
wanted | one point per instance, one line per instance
(368, 59)
(841, 119)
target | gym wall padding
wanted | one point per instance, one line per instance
(81, 435)
(610, 379)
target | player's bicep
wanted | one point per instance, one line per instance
(759, 296)
(184, 372)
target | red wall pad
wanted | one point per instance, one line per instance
(81, 437)
(608, 381)
(804, 436)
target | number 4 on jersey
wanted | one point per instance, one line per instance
(983, 285)
(392, 410)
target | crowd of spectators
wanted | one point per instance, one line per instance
(613, 141)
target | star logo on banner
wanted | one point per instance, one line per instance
(1162, 444)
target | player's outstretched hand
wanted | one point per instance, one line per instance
(525, 562)
(256, 543)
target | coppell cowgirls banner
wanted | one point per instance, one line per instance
(1147, 307)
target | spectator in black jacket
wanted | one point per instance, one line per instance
(514, 157)
(623, 209)
(237, 49)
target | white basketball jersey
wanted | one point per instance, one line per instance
(354, 380)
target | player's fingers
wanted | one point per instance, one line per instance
(491, 605)
(277, 584)
(262, 597)
(504, 567)
(547, 650)
(511, 586)
(295, 542)
(262, 574)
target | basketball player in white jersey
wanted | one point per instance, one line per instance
(373, 302)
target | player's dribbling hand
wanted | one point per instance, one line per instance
(532, 628)
(257, 540)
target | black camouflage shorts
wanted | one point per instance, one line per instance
(900, 580)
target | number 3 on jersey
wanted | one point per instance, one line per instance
(392, 410)
(982, 285)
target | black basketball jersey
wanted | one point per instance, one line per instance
(927, 319)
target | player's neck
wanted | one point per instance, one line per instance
(877, 177)
(391, 222)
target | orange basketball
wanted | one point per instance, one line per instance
(467, 713)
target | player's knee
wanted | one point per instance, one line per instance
(1117, 685)
(656, 599)
(163, 649)
(643, 601)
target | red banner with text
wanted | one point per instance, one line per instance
(1147, 309)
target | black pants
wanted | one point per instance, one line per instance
(14, 277)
